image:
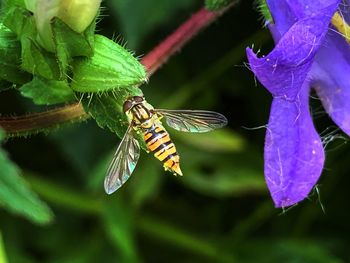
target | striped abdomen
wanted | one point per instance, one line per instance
(158, 141)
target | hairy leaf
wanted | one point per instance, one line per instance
(70, 43)
(35, 59)
(8, 4)
(46, 92)
(107, 110)
(10, 57)
(15, 194)
(111, 67)
(118, 223)
(20, 21)
(38, 61)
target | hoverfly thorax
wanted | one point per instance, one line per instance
(138, 111)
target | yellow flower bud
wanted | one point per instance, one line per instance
(30, 5)
(77, 14)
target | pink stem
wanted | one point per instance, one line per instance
(174, 42)
(152, 62)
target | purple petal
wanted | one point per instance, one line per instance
(294, 153)
(344, 9)
(285, 69)
(286, 12)
(283, 17)
(307, 8)
(331, 77)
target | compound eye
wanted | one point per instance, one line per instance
(138, 99)
(127, 105)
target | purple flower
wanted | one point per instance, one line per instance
(309, 53)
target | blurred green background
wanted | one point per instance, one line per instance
(220, 210)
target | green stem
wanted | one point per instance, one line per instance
(34, 123)
(260, 215)
(62, 197)
(150, 225)
(174, 42)
(3, 257)
(40, 122)
(167, 233)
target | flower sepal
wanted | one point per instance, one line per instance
(107, 110)
(34, 59)
(67, 44)
(70, 44)
(76, 14)
(112, 67)
(10, 58)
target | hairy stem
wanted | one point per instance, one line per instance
(174, 42)
(33, 123)
(37, 122)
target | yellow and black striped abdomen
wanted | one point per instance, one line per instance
(158, 141)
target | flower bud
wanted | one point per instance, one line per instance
(77, 14)
(30, 5)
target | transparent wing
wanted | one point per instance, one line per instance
(123, 162)
(193, 120)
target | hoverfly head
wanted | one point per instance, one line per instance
(131, 102)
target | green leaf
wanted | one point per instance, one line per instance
(16, 196)
(62, 196)
(284, 250)
(20, 21)
(10, 57)
(118, 224)
(35, 59)
(223, 140)
(222, 175)
(214, 5)
(8, 4)
(107, 110)
(144, 186)
(38, 61)
(3, 256)
(111, 67)
(70, 43)
(97, 174)
(46, 92)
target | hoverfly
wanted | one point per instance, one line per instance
(144, 119)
